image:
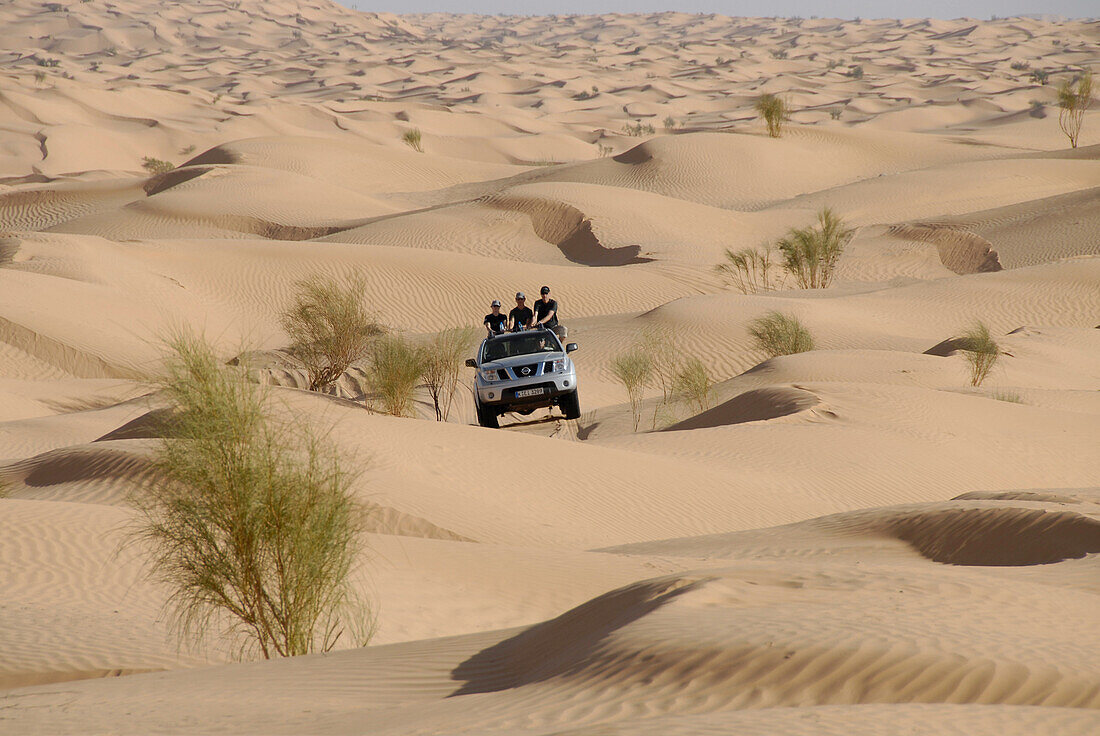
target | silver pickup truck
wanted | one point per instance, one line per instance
(521, 372)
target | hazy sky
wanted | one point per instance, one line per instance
(805, 8)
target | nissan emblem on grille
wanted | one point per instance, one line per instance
(525, 371)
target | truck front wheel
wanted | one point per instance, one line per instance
(570, 405)
(487, 417)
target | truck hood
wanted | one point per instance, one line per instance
(523, 360)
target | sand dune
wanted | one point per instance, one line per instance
(849, 540)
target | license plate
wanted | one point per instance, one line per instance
(530, 392)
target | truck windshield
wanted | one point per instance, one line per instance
(520, 343)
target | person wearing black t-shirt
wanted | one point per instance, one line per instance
(546, 310)
(520, 317)
(546, 314)
(495, 322)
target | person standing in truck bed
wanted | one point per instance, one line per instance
(520, 317)
(496, 322)
(546, 312)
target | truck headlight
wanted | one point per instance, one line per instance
(488, 375)
(558, 366)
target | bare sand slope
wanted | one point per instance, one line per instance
(890, 626)
(849, 540)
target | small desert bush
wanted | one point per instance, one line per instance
(249, 522)
(633, 369)
(775, 111)
(443, 361)
(639, 129)
(981, 352)
(810, 253)
(1074, 97)
(660, 345)
(328, 326)
(396, 366)
(1039, 76)
(693, 382)
(1008, 396)
(750, 269)
(669, 122)
(1020, 66)
(780, 334)
(836, 112)
(156, 165)
(604, 151)
(412, 139)
(855, 72)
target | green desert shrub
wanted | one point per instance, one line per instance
(633, 369)
(810, 254)
(639, 129)
(693, 382)
(1010, 397)
(249, 522)
(395, 369)
(1074, 97)
(328, 326)
(775, 111)
(750, 269)
(156, 165)
(778, 334)
(1039, 76)
(855, 72)
(443, 361)
(981, 352)
(659, 343)
(412, 139)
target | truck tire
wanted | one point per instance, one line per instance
(570, 405)
(487, 417)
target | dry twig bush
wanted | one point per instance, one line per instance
(328, 326)
(1074, 97)
(249, 523)
(443, 360)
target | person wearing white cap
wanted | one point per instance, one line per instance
(520, 317)
(495, 321)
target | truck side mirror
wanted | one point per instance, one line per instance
(471, 363)
(571, 347)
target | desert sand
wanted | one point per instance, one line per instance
(851, 540)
